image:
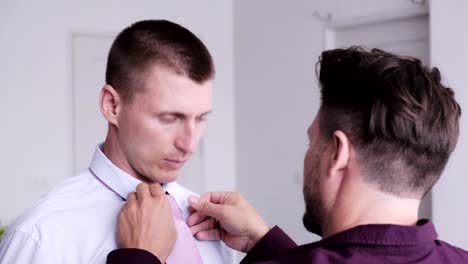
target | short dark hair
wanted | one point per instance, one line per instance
(402, 120)
(155, 42)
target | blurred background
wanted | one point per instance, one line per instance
(52, 62)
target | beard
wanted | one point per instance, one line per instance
(314, 212)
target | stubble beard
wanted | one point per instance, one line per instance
(314, 213)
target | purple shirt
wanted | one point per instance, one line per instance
(362, 244)
(131, 256)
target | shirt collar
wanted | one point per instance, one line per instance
(123, 183)
(386, 234)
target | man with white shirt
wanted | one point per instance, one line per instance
(157, 95)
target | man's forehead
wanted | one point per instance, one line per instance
(174, 92)
(177, 104)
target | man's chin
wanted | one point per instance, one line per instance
(311, 224)
(167, 179)
(163, 178)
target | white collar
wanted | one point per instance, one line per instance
(123, 183)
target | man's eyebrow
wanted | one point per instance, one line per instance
(171, 113)
(207, 113)
(176, 113)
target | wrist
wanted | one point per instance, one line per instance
(159, 254)
(259, 233)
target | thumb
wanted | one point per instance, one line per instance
(206, 207)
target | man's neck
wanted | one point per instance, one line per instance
(370, 206)
(114, 153)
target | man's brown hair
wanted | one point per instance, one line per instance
(147, 43)
(402, 120)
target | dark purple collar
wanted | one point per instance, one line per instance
(385, 235)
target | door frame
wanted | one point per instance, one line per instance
(332, 25)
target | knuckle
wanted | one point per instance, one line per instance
(156, 187)
(132, 208)
(140, 187)
(204, 205)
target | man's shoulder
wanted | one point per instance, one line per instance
(65, 200)
(73, 222)
(441, 252)
(450, 252)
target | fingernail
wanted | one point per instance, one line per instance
(193, 200)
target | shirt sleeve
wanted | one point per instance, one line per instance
(19, 247)
(269, 247)
(131, 256)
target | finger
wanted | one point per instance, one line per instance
(156, 190)
(191, 210)
(204, 197)
(203, 226)
(131, 198)
(196, 218)
(207, 208)
(143, 192)
(213, 234)
(215, 197)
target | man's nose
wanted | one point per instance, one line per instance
(187, 138)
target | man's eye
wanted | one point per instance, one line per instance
(201, 119)
(167, 119)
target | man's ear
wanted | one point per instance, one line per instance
(110, 104)
(341, 150)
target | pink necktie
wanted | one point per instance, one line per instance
(185, 250)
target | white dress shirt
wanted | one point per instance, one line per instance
(75, 222)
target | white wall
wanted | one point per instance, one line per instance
(35, 85)
(449, 52)
(276, 46)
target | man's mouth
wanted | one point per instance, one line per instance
(175, 163)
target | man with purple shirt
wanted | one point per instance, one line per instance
(381, 139)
